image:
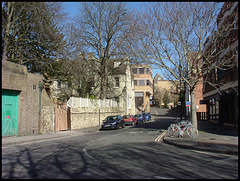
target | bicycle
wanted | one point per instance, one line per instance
(178, 129)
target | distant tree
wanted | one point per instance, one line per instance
(158, 95)
(165, 99)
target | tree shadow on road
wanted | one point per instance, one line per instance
(67, 162)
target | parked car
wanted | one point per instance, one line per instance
(129, 120)
(147, 116)
(113, 122)
(140, 118)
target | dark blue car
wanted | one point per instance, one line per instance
(147, 116)
(140, 118)
(113, 122)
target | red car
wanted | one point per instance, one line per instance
(130, 120)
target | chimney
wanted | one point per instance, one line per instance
(91, 55)
(82, 55)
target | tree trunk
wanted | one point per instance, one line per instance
(4, 57)
(103, 84)
(193, 109)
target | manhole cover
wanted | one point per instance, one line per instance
(212, 139)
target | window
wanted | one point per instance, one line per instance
(59, 84)
(147, 70)
(235, 24)
(116, 81)
(34, 86)
(148, 82)
(134, 70)
(135, 82)
(141, 70)
(69, 84)
(141, 82)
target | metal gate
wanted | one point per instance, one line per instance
(61, 117)
(9, 112)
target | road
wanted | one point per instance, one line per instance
(127, 153)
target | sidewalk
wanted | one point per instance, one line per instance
(213, 138)
(7, 141)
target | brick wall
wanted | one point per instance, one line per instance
(16, 77)
(199, 96)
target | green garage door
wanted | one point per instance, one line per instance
(9, 112)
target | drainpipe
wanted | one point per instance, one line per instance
(40, 86)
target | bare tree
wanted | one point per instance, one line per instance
(173, 36)
(102, 28)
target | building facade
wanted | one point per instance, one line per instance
(163, 88)
(121, 85)
(143, 83)
(222, 99)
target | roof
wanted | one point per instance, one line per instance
(158, 75)
(140, 65)
(117, 65)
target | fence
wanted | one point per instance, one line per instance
(85, 102)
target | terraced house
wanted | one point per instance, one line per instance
(143, 83)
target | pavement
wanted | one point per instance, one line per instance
(16, 140)
(213, 138)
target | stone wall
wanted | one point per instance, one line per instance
(47, 119)
(86, 117)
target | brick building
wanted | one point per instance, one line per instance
(222, 99)
(21, 103)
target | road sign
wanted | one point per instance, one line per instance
(188, 103)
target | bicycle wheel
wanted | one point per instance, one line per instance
(192, 132)
(173, 131)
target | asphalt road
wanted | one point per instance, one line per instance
(127, 153)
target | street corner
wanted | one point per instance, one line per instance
(161, 136)
(202, 146)
(181, 142)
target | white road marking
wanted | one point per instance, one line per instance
(158, 139)
(89, 156)
(160, 177)
(211, 153)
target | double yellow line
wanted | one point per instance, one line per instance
(159, 138)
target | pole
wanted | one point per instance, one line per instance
(40, 86)
(99, 118)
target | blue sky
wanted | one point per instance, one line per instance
(72, 9)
